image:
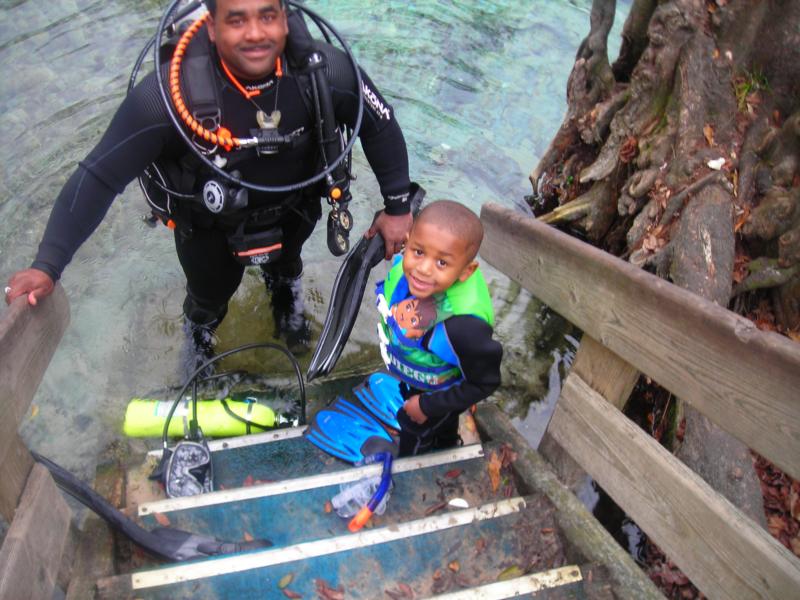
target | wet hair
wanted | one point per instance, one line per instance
(211, 5)
(456, 218)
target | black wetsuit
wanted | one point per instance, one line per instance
(479, 357)
(141, 133)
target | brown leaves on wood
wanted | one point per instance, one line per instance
(629, 149)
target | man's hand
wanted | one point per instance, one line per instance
(393, 228)
(33, 282)
(413, 410)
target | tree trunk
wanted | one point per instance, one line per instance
(686, 162)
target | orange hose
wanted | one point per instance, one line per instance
(226, 140)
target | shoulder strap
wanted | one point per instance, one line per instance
(198, 79)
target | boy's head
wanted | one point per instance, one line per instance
(441, 247)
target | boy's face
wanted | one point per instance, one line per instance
(434, 259)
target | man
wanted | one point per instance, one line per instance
(251, 73)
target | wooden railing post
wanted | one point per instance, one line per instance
(39, 534)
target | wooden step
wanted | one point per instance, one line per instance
(435, 554)
(297, 510)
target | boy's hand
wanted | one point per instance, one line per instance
(414, 412)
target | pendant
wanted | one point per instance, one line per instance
(261, 119)
(268, 122)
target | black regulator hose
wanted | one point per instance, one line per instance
(192, 381)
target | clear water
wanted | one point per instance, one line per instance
(478, 87)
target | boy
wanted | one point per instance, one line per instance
(436, 326)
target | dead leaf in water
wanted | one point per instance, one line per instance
(286, 580)
(453, 473)
(454, 566)
(248, 537)
(494, 470)
(511, 572)
(290, 594)
(328, 507)
(162, 519)
(248, 481)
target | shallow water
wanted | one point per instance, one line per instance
(478, 87)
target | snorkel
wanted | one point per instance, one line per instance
(364, 515)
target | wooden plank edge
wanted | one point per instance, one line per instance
(682, 514)
(578, 525)
(36, 541)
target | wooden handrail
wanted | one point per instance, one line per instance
(743, 379)
(31, 555)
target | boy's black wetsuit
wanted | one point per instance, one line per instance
(141, 133)
(479, 359)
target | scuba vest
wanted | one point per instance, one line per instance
(170, 186)
(413, 339)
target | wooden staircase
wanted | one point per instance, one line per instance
(277, 486)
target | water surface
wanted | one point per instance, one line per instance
(477, 86)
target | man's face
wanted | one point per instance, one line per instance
(434, 259)
(249, 35)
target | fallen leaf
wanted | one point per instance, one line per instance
(161, 519)
(794, 335)
(494, 470)
(708, 131)
(34, 410)
(469, 422)
(290, 594)
(328, 507)
(248, 481)
(715, 54)
(432, 509)
(248, 537)
(437, 574)
(454, 566)
(511, 572)
(629, 149)
(795, 544)
(453, 473)
(326, 592)
(547, 530)
(286, 580)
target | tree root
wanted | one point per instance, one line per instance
(765, 273)
(596, 207)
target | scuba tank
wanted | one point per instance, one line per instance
(217, 418)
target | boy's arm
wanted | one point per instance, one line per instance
(479, 357)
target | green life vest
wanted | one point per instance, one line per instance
(407, 321)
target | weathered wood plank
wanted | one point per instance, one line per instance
(15, 464)
(612, 378)
(31, 555)
(722, 551)
(29, 336)
(582, 530)
(743, 379)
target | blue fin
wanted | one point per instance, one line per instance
(380, 395)
(345, 431)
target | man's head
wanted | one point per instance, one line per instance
(249, 35)
(441, 247)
